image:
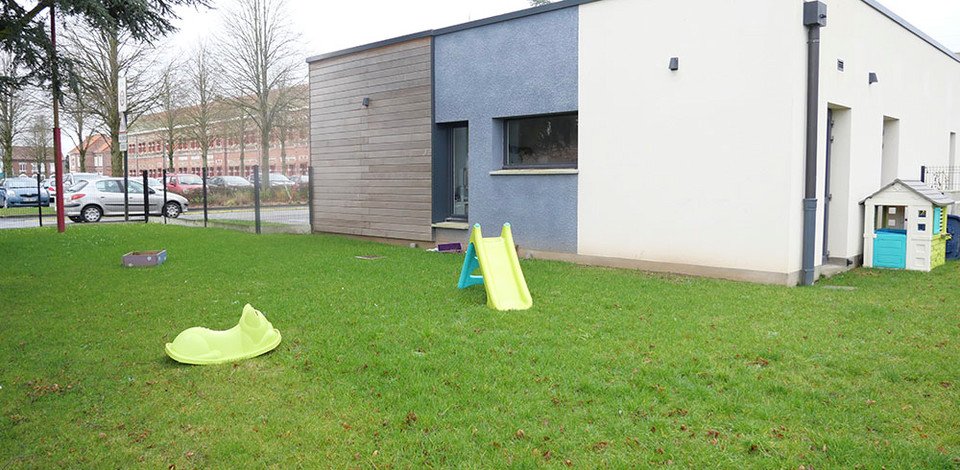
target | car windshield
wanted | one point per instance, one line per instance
(76, 187)
(190, 179)
(153, 182)
(20, 183)
(235, 180)
(278, 177)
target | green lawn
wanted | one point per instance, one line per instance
(385, 363)
(28, 211)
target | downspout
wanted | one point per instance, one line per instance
(814, 18)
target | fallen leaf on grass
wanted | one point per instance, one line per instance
(759, 362)
(519, 434)
(600, 446)
(946, 384)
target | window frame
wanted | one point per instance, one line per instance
(505, 122)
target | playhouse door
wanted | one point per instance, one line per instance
(890, 249)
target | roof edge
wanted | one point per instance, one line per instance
(452, 29)
(911, 185)
(875, 4)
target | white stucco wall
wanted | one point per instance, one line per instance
(705, 166)
(919, 85)
(698, 166)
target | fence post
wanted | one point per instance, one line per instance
(146, 198)
(163, 207)
(256, 197)
(204, 196)
(923, 173)
(39, 207)
(310, 196)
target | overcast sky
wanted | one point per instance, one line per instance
(327, 25)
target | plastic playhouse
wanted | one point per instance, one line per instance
(252, 336)
(905, 227)
(500, 273)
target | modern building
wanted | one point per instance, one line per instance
(690, 137)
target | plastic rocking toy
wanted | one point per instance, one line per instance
(253, 336)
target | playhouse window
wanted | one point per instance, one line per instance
(891, 217)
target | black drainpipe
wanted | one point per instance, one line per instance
(814, 18)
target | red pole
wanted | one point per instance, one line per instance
(57, 150)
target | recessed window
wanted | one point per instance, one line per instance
(922, 214)
(542, 141)
(921, 227)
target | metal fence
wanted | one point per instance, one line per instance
(26, 202)
(207, 200)
(944, 178)
(242, 202)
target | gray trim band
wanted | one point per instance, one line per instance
(452, 29)
(909, 27)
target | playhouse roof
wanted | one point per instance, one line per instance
(921, 189)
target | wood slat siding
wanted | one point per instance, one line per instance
(371, 166)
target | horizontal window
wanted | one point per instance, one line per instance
(541, 141)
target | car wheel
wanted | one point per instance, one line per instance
(92, 214)
(172, 210)
(76, 219)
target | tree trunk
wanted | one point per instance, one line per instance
(265, 156)
(83, 160)
(243, 146)
(116, 156)
(8, 157)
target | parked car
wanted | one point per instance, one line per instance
(155, 184)
(71, 179)
(300, 179)
(183, 183)
(276, 179)
(89, 201)
(232, 182)
(22, 192)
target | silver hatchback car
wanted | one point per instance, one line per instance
(89, 201)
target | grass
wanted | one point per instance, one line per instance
(384, 363)
(25, 211)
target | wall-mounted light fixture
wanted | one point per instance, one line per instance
(872, 78)
(674, 63)
(365, 102)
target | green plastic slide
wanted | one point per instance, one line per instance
(253, 336)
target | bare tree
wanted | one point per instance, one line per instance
(259, 55)
(205, 105)
(292, 118)
(172, 100)
(82, 123)
(39, 139)
(14, 106)
(102, 56)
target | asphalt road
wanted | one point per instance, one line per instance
(48, 221)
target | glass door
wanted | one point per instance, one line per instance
(459, 149)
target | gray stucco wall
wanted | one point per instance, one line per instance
(521, 67)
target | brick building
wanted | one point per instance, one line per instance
(24, 163)
(97, 158)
